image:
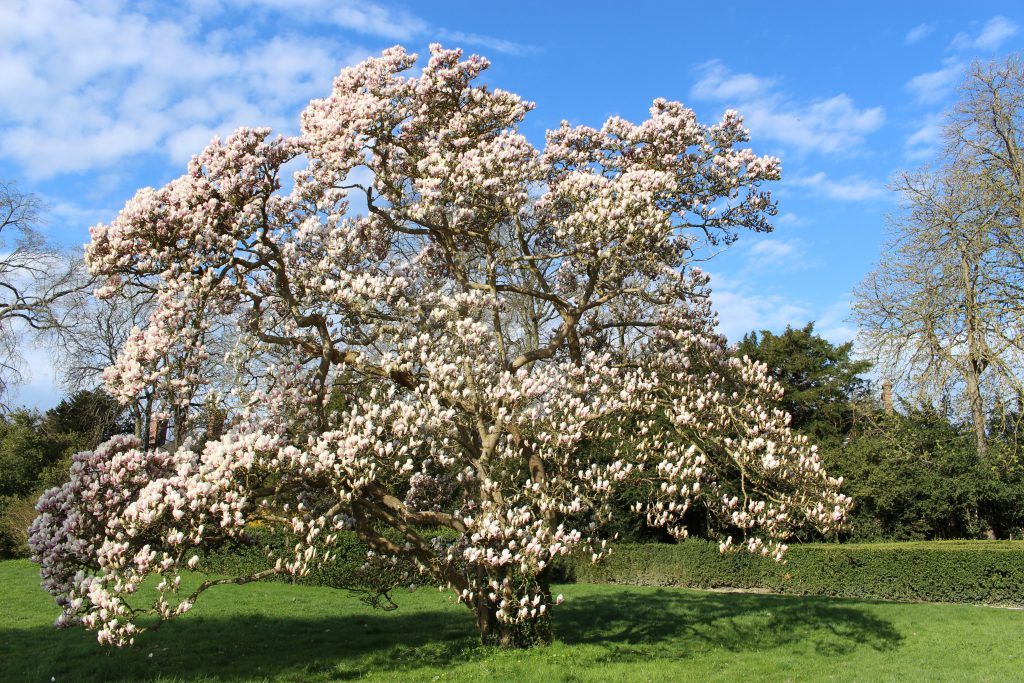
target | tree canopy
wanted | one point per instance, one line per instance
(819, 379)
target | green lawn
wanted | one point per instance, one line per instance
(279, 632)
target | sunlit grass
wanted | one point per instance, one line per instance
(280, 632)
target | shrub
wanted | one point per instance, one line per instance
(914, 476)
(935, 571)
(16, 514)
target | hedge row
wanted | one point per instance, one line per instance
(932, 571)
(348, 570)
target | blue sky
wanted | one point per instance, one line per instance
(99, 98)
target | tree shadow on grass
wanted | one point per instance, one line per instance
(676, 624)
(247, 647)
(626, 624)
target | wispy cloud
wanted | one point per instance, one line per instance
(374, 19)
(924, 142)
(918, 33)
(367, 18)
(489, 43)
(775, 253)
(744, 308)
(849, 189)
(933, 86)
(65, 219)
(718, 83)
(989, 37)
(830, 125)
(790, 218)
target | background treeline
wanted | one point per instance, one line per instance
(913, 471)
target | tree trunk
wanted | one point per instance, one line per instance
(976, 356)
(511, 635)
(496, 632)
(977, 411)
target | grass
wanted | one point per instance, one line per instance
(280, 632)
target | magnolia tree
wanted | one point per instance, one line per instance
(429, 371)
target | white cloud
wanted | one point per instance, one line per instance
(773, 250)
(932, 86)
(487, 42)
(742, 309)
(830, 125)
(918, 33)
(368, 18)
(87, 85)
(790, 218)
(744, 306)
(96, 84)
(776, 254)
(991, 35)
(64, 221)
(851, 188)
(718, 83)
(924, 142)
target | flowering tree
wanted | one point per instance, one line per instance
(439, 361)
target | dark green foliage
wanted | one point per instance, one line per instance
(913, 475)
(26, 454)
(33, 446)
(936, 571)
(36, 450)
(818, 377)
(25, 451)
(620, 522)
(87, 418)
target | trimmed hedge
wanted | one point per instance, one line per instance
(931, 571)
(347, 571)
(350, 569)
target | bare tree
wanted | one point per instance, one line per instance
(985, 129)
(94, 332)
(39, 283)
(934, 313)
(101, 327)
(943, 312)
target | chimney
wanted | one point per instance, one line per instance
(887, 396)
